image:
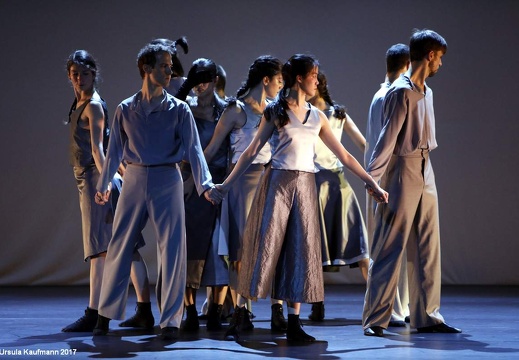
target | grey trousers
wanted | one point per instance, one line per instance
(155, 194)
(409, 222)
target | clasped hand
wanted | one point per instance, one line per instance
(379, 194)
(214, 196)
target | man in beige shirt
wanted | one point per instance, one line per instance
(409, 221)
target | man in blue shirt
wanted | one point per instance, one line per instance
(152, 132)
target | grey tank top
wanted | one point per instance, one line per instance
(80, 153)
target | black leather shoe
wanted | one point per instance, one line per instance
(169, 333)
(439, 328)
(374, 331)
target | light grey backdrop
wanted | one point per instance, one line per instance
(476, 94)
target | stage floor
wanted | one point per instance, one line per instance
(31, 319)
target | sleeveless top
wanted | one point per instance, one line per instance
(205, 132)
(242, 137)
(295, 142)
(325, 158)
(80, 153)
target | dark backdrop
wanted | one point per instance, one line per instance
(475, 94)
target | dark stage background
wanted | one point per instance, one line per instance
(476, 92)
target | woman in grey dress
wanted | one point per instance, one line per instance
(344, 240)
(89, 132)
(239, 122)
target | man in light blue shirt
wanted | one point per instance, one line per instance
(152, 132)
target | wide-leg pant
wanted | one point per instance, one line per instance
(409, 221)
(154, 193)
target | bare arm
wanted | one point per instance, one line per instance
(354, 133)
(232, 117)
(348, 160)
(96, 122)
(265, 130)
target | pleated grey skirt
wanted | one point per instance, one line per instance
(344, 235)
(240, 200)
(282, 240)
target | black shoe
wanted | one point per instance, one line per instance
(439, 328)
(143, 317)
(407, 319)
(232, 333)
(397, 323)
(374, 331)
(169, 333)
(191, 323)
(278, 323)
(85, 323)
(295, 332)
(317, 313)
(214, 314)
(102, 326)
(246, 320)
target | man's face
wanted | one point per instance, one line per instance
(435, 62)
(160, 74)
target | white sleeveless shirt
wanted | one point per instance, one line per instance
(325, 158)
(294, 143)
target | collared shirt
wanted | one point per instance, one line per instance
(162, 135)
(409, 125)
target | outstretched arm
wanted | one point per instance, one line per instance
(232, 117)
(348, 160)
(265, 130)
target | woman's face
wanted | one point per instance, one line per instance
(81, 77)
(274, 85)
(309, 83)
(204, 89)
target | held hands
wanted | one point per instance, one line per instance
(213, 196)
(102, 198)
(379, 194)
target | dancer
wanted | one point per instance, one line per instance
(282, 236)
(205, 267)
(397, 63)
(88, 119)
(240, 122)
(409, 222)
(152, 132)
(344, 239)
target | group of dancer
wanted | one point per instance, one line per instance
(248, 194)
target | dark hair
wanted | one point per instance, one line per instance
(222, 78)
(207, 65)
(322, 88)
(424, 41)
(265, 65)
(177, 69)
(397, 57)
(148, 54)
(84, 58)
(297, 65)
